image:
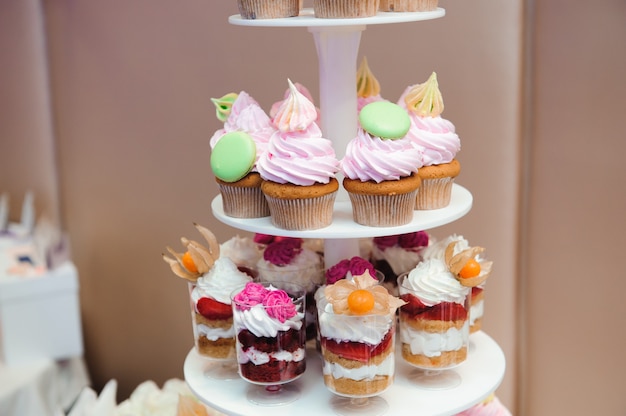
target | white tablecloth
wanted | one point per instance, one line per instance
(41, 388)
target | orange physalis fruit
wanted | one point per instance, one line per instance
(360, 301)
(471, 269)
(189, 263)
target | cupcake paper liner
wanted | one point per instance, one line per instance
(434, 193)
(383, 210)
(408, 5)
(302, 214)
(337, 9)
(268, 9)
(243, 202)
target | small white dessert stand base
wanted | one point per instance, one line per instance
(481, 374)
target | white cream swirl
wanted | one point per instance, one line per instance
(432, 283)
(437, 249)
(220, 281)
(372, 158)
(242, 251)
(306, 269)
(257, 321)
(368, 329)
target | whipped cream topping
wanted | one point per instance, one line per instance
(368, 329)
(432, 283)
(219, 282)
(257, 321)
(437, 249)
(305, 269)
(259, 357)
(242, 251)
(372, 158)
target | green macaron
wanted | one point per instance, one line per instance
(233, 156)
(385, 119)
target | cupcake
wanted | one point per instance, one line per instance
(408, 5)
(269, 325)
(367, 86)
(435, 137)
(340, 9)
(491, 406)
(299, 167)
(357, 336)
(381, 167)
(234, 160)
(397, 254)
(286, 260)
(211, 280)
(264, 9)
(434, 322)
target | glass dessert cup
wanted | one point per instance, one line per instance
(309, 277)
(358, 356)
(270, 346)
(434, 339)
(214, 338)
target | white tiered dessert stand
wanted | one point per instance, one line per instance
(337, 43)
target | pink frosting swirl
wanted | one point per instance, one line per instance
(279, 305)
(435, 137)
(413, 240)
(297, 153)
(246, 115)
(355, 266)
(251, 295)
(372, 158)
(283, 251)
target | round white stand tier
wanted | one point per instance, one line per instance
(481, 374)
(344, 227)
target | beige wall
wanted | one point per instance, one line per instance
(130, 90)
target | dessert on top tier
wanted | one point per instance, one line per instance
(380, 167)
(235, 150)
(436, 138)
(367, 86)
(299, 167)
(357, 332)
(270, 332)
(212, 278)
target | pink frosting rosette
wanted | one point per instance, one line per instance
(279, 305)
(354, 266)
(246, 115)
(251, 295)
(371, 158)
(297, 153)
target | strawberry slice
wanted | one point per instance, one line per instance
(212, 309)
(444, 311)
(356, 351)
